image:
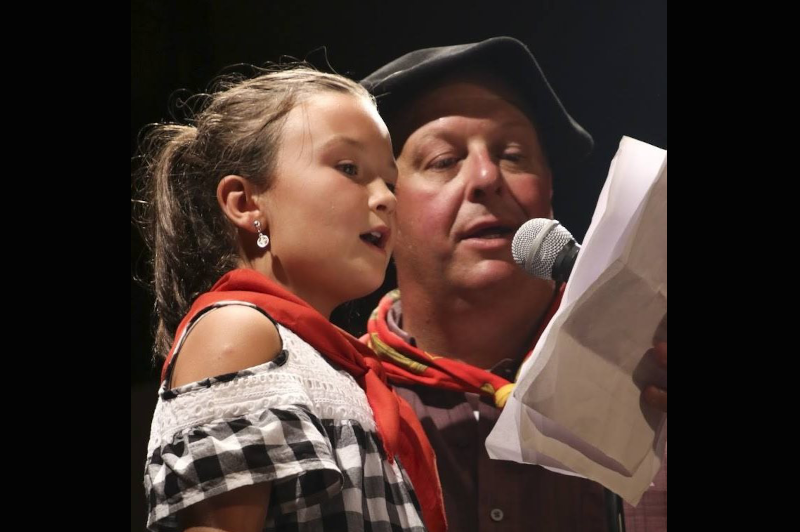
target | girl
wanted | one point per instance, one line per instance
(267, 212)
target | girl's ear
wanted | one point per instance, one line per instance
(237, 196)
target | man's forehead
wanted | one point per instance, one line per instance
(460, 96)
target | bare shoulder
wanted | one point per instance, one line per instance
(226, 340)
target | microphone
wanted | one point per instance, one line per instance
(544, 249)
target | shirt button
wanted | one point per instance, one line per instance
(496, 514)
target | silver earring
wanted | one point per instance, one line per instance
(263, 240)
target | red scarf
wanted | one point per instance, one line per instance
(407, 364)
(398, 427)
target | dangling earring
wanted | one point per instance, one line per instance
(263, 240)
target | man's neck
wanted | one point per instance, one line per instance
(479, 327)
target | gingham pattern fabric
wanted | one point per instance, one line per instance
(295, 421)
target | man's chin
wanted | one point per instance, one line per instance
(489, 274)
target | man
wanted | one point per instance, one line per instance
(478, 134)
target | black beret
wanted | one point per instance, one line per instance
(397, 83)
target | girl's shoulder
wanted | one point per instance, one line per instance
(225, 340)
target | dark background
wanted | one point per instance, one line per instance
(607, 61)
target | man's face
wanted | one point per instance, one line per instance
(471, 171)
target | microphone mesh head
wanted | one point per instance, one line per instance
(538, 256)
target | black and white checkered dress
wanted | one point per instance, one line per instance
(295, 421)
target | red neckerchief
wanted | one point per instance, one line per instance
(407, 364)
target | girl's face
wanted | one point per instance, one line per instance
(330, 213)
